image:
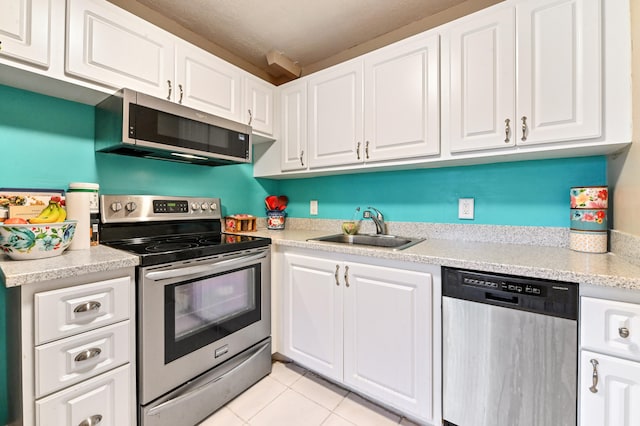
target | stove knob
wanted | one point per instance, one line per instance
(194, 206)
(205, 206)
(213, 206)
(130, 206)
(116, 207)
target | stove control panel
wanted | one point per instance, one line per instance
(145, 208)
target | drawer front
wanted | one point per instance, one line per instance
(107, 397)
(71, 360)
(73, 310)
(610, 327)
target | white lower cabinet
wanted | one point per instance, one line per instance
(365, 323)
(105, 400)
(77, 368)
(610, 391)
(609, 362)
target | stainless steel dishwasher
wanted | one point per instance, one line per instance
(510, 350)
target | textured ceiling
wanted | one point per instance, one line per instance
(306, 31)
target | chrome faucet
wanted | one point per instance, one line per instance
(378, 219)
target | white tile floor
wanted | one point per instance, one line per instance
(292, 396)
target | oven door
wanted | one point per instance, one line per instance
(197, 314)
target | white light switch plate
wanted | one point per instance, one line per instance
(465, 208)
(313, 207)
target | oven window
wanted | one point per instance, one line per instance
(202, 311)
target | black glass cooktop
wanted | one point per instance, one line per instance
(165, 242)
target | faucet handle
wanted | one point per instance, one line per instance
(378, 212)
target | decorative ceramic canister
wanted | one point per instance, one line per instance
(588, 241)
(275, 219)
(588, 216)
(589, 220)
(589, 197)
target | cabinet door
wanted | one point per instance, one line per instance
(207, 83)
(293, 131)
(104, 400)
(335, 116)
(402, 101)
(24, 30)
(258, 105)
(388, 334)
(313, 313)
(559, 70)
(481, 92)
(618, 391)
(108, 45)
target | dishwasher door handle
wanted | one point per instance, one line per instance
(513, 300)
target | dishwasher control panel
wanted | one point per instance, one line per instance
(536, 295)
(532, 289)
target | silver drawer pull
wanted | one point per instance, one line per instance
(91, 421)
(507, 130)
(525, 129)
(86, 307)
(623, 332)
(594, 386)
(88, 354)
(336, 275)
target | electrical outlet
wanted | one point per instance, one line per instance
(313, 207)
(465, 208)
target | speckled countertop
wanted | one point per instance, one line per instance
(70, 263)
(556, 263)
(548, 262)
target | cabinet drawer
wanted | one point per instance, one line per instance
(68, 361)
(73, 310)
(610, 327)
(108, 396)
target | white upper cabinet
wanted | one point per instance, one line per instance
(207, 83)
(110, 46)
(258, 105)
(559, 70)
(524, 73)
(293, 127)
(401, 100)
(24, 30)
(482, 81)
(335, 116)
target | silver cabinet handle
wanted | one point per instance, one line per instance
(181, 93)
(169, 94)
(358, 151)
(366, 150)
(594, 386)
(91, 421)
(623, 332)
(88, 354)
(302, 158)
(524, 128)
(0, 45)
(507, 130)
(250, 117)
(87, 306)
(346, 276)
(336, 275)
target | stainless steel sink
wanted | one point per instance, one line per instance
(375, 240)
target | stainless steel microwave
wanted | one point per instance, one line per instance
(132, 123)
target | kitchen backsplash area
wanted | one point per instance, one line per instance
(51, 143)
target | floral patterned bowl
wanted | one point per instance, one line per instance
(36, 241)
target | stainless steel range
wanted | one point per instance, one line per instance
(203, 300)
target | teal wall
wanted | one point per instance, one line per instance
(47, 142)
(526, 193)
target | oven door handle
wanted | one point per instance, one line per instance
(208, 268)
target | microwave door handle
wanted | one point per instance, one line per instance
(210, 267)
